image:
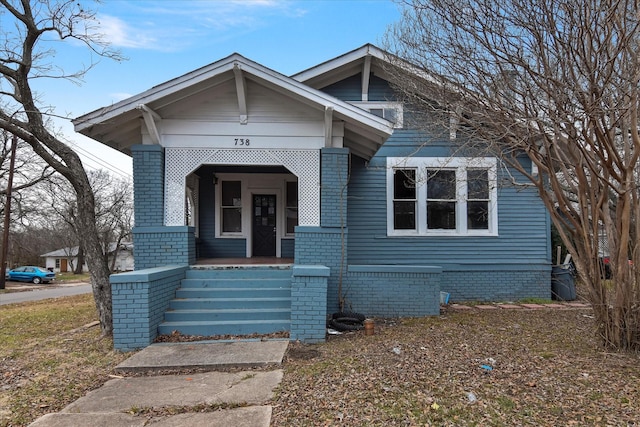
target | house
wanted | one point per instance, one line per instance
(66, 259)
(313, 184)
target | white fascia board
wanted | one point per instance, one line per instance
(340, 61)
(157, 92)
(343, 109)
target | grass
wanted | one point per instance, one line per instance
(549, 369)
(48, 359)
(70, 277)
(536, 301)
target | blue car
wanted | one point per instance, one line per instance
(32, 274)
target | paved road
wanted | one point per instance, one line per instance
(39, 294)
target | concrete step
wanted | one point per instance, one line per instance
(231, 327)
(249, 272)
(235, 282)
(229, 303)
(232, 293)
(202, 315)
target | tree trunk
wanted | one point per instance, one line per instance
(92, 248)
(80, 263)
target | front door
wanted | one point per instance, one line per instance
(264, 225)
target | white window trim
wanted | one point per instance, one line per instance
(245, 223)
(382, 105)
(460, 164)
(259, 185)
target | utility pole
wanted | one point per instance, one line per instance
(7, 213)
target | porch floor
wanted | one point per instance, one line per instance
(244, 261)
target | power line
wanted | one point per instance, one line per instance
(101, 162)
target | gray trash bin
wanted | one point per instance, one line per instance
(563, 287)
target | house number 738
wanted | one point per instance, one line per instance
(242, 142)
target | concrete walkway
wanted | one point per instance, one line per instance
(238, 396)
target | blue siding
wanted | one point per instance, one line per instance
(523, 228)
(287, 248)
(350, 89)
(512, 265)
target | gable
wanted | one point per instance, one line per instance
(349, 89)
(249, 93)
(220, 104)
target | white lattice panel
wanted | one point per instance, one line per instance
(305, 164)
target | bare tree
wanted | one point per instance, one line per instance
(29, 171)
(25, 55)
(113, 212)
(555, 81)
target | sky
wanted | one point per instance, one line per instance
(164, 39)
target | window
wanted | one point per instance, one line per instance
(391, 111)
(404, 199)
(441, 199)
(478, 199)
(441, 196)
(231, 206)
(292, 206)
(57, 263)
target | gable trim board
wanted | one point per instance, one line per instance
(238, 120)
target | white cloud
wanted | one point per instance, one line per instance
(173, 25)
(120, 34)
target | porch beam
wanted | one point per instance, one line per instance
(328, 126)
(366, 70)
(241, 90)
(151, 118)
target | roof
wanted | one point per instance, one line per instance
(351, 63)
(73, 251)
(343, 66)
(119, 125)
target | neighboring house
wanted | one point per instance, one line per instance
(66, 259)
(235, 160)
